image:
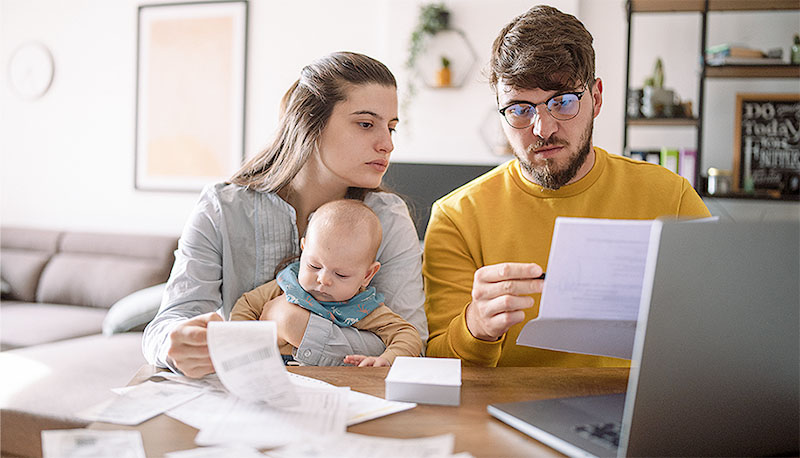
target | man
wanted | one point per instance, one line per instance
(486, 241)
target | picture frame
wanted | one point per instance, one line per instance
(190, 94)
(766, 148)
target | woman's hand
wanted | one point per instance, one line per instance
(500, 297)
(188, 350)
(366, 361)
(290, 319)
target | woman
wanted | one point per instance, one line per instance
(334, 141)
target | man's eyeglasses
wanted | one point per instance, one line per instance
(563, 107)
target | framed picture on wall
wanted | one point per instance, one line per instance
(190, 94)
(767, 143)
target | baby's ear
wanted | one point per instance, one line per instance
(373, 269)
(302, 243)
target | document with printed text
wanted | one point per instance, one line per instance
(246, 358)
(590, 300)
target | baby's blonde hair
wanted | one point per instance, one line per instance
(351, 215)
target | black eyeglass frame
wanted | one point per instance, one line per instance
(578, 94)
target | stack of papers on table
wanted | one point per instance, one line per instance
(425, 380)
(251, 400)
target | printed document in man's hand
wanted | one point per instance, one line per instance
(590, 299)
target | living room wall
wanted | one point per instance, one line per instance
(67, 158)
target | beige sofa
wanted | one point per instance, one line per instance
(72, 309)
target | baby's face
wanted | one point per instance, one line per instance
(333, 269)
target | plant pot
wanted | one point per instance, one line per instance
(443, 77)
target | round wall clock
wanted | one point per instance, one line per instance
(31, 70)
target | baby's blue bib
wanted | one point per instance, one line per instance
(345, 313)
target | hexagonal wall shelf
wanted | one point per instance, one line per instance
(453, 46)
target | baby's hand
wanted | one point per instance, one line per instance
(366, 361)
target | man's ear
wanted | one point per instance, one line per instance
(597, 96)
(373, 269)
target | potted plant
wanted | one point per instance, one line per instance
(433, 18)
(443, 75)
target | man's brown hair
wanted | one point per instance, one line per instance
(542, 48)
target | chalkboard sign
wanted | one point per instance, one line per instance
(767, 143)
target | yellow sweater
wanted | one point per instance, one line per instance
(502, 217)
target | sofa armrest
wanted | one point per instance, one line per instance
(134, 311)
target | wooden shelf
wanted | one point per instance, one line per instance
(662, 122)
(704, 9)
(664, 6)
(760, 195)
(753, 71)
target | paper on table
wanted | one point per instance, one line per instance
(140, 403)
(209, 382)
(321, 411)
(591, 296)
(66, 443)
(361, 407)
(356, 446)
(226, 451)
(246, 359)
(206, 409)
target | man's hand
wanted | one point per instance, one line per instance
(499, 298)
(366, 361)
(290, 319)
(188, 348)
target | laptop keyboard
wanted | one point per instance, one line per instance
(605, 434)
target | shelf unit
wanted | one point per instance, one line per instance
(703, 7)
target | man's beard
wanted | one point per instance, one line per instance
(549, 175)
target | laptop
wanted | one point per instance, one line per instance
(716, 358)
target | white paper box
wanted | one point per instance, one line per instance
(425, 381)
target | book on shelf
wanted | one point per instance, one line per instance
(652, 156)
(730, 50)
(717, 61)
(670, 158)
(687, 163)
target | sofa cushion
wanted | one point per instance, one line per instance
(26, 323)
(22, 270)
(30, 239)
(44, 386)
(134, 311)
(25, 253)
(157, 247)
(97, 270)
(96, 280)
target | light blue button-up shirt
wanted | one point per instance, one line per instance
(235, 239)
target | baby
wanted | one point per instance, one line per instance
(336, 265)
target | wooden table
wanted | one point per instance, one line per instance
(475, 430)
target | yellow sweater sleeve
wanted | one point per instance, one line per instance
(400, 337)
(448, 272)
(251, 304)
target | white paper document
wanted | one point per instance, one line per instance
(140, 402)
(87, 443)
(226, 451)
(362, 407)
(359, 446)
(246, 358)
(591, 296)
(320, 411)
